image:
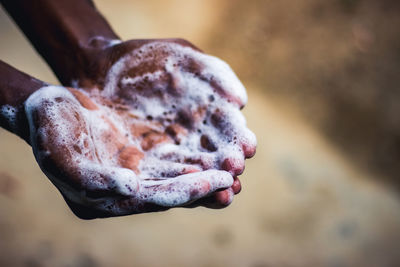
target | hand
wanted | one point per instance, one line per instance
(163, 130)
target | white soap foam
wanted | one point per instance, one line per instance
(217, 120)
(213, 68)
(188, 187)
(10, 114)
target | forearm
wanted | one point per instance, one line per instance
(66, 33)
(15, 88)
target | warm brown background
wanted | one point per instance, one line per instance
(323, 83)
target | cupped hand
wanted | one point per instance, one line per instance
(157, 125)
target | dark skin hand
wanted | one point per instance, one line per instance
(82, 54)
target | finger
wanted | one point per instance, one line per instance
(224, 197)
(217, 200)
(233, 165)
(236, 186)
(104, 181)
(96, 182)
(231, 123)
(220, 76)
(245, 140)
(106, 193)
(155, 167)
(184, 189)
(249, 143)
(182, 154)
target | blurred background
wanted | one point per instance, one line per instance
(324, 101)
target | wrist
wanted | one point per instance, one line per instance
(68, 34)
(15, 88)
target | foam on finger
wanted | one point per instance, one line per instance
(184, 188)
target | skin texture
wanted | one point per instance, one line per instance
(82, 55)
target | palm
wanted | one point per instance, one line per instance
(163, 130)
